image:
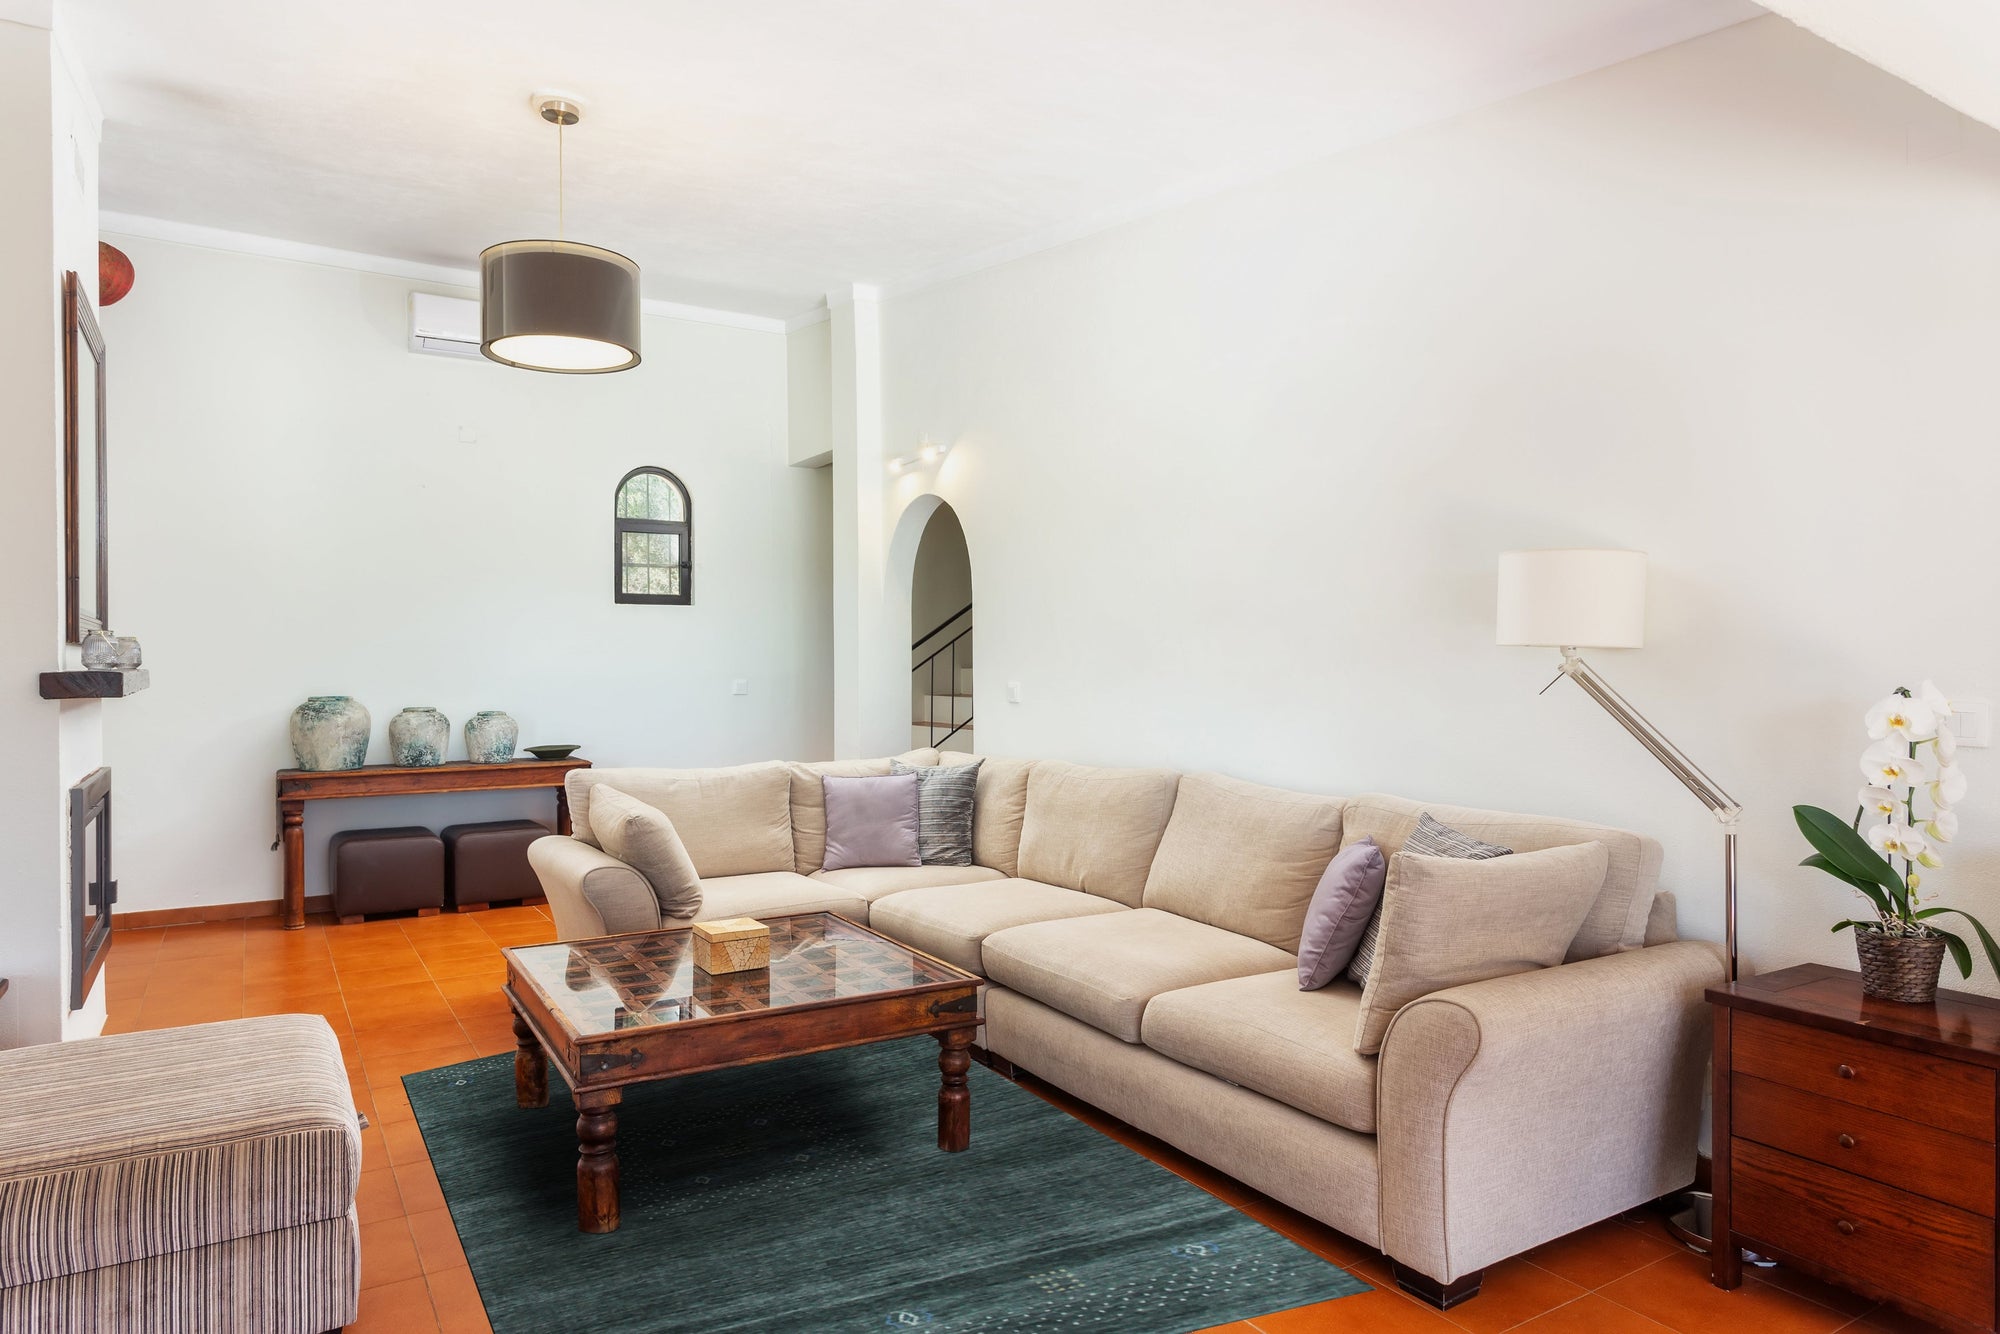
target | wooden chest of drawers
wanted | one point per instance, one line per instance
(1854, 1140)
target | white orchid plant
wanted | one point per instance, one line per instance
(1912, 757)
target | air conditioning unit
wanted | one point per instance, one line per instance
(446, 326)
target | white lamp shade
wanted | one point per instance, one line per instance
(1577, 598)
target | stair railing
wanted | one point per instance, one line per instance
(928, 670)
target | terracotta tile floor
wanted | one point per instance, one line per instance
(413, 993)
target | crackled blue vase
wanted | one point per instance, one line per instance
(490, 736)
(418, 737)
(330, 732)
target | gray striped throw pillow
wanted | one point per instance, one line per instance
(945, 794)
(1432, 838)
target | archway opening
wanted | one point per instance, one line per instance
(941, 617)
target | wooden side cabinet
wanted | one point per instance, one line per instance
(1854, 1140)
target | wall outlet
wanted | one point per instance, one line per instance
(1013, 692)
(1971, 721)
(740, 686)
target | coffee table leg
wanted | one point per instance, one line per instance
(531, 1066)
(597, 1161)
(954, 1098)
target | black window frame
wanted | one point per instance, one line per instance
(683, 527)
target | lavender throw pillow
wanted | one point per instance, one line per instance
(871, 821)
(1339, 912)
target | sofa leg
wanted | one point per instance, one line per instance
(1428, 1290)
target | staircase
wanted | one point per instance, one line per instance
(941, 685)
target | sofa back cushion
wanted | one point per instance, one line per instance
(1617, 919)
(1094, 829)
(645, 839)
(734, 821)
(809, 801)
(998, 804)
(1244, 857)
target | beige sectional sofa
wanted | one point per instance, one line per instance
(1137, 929)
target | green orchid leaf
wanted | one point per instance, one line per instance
(1847, 850)
(1960, 955)
(1874, 895)
(1985, 940)
(1858, 926)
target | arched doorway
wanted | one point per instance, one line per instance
(941, 636)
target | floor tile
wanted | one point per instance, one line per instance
(1599, 1254)
(405, 1143)
(1804, 1285)
(1676, 1292)
(378, 1197)
(388, 1254)
(1590, 1314)
(409, 1037)
(419, 1187)
(1887, 1319)
(403, 1307)
(456, 1297)
(383, 1069)
(437, 1240)
(1511, 1292)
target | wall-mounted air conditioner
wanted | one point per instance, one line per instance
(447, 326)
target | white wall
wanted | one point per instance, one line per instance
(48, 223)
(306, 507)
(809, 394)
(1234, 478)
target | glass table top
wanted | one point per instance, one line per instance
(620, 983)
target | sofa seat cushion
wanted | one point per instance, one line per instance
(120, 1148)
(1261, 1032)
(774, 893)
(875, 882)
(952, 921)
(1103, 970)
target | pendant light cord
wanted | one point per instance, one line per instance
(560, 234)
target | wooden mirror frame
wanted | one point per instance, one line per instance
(80, 335)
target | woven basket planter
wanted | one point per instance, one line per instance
(1900, 968)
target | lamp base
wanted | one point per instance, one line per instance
(1691, 1222)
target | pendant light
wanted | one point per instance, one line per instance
(558, 305)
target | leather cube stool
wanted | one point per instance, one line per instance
(488, 863)
(386, 870)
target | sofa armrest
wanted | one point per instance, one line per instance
(1518, 1109)
(591, 892)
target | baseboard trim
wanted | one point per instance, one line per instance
(212, 912)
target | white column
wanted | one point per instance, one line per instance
(48, 223)
(859, 624)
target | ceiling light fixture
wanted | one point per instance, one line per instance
(558, 305)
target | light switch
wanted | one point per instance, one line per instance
(1013, 692)
(740, 686)
(1971, 721)
(468, 435)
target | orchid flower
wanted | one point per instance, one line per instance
(1898, 840)
(1943, 825)
(1948, 788)
(1935, 700)
(1888, 764)
(1945, 743)
(1881, 801)
(1897, 715)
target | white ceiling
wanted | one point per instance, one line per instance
(1948, 48)
(754, 154)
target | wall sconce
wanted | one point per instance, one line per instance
(928, 452)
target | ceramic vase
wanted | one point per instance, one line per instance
(330, 732)
(490, 736)
(419, 737)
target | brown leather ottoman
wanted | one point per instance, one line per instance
(488, 863)
(385, 870)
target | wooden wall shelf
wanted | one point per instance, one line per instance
(94, 685)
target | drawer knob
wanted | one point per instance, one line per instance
(1847, 1141)
(1845, 1072)
(1845, 1228)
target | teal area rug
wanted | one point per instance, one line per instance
(808, 1196)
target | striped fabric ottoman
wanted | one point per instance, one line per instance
(191, 1179)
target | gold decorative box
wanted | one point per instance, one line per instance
(732, 945)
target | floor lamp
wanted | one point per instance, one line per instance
(1592, 598)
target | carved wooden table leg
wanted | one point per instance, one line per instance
(597, 1160)
(292, 820)
(531, 1066)
(954, 1098)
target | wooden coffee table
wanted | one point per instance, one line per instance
(622, 1010)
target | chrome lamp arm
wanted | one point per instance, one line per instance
(1706, 789)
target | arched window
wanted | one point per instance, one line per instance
(653, 537)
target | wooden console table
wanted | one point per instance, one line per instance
(296, 787)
